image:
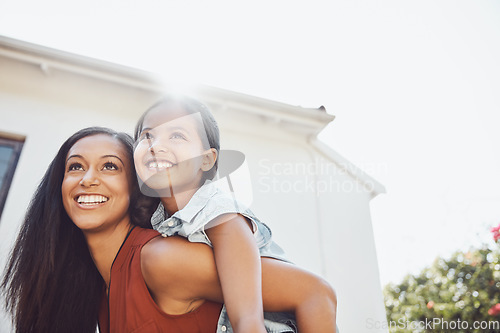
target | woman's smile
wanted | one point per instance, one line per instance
(89, 200)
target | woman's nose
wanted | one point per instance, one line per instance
(90, 179)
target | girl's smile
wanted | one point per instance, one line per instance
(155, 164)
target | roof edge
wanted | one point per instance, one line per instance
(49, 59)
(371, 184)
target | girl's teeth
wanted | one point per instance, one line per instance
(160, 165)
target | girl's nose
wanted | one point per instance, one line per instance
(156, 146)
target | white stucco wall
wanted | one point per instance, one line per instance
(298, 188)
(283, 164)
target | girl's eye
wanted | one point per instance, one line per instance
(177, 135)
(110, 166)
(144, 136)
(75, 167)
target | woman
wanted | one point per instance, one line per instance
(78, 221)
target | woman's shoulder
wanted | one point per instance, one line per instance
(141, 236)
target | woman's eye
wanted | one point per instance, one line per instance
(110, 166)
(75, 167)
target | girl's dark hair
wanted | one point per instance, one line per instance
(50, 282)
(188, 105)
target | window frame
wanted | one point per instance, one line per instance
(17, 143)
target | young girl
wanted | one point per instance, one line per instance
(176, 156)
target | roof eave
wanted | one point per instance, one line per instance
(312, 120)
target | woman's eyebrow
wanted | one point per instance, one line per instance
(74, 156)
(106, 156)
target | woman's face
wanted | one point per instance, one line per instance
(96, 184)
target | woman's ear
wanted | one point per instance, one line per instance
(209, 158)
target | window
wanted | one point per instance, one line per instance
(10, 149)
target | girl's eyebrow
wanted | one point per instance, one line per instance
(168, 128)
(145, 129)
(172, 128)
(178, 128)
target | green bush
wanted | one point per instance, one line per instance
(458, 291)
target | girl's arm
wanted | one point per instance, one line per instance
(239, 267)
(180, 275)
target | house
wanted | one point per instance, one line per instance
(289, 178)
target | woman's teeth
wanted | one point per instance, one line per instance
(91, 199)
(159, 165)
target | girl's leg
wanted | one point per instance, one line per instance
(286, 287)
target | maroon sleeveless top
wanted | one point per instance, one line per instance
(130, 307)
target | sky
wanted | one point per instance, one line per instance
(414, 86)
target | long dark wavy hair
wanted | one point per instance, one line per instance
(50, 282)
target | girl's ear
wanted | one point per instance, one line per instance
(209, 158)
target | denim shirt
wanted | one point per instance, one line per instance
(208, 203)
(275, 322)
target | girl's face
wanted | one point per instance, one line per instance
(169, 155)
(96, 185)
